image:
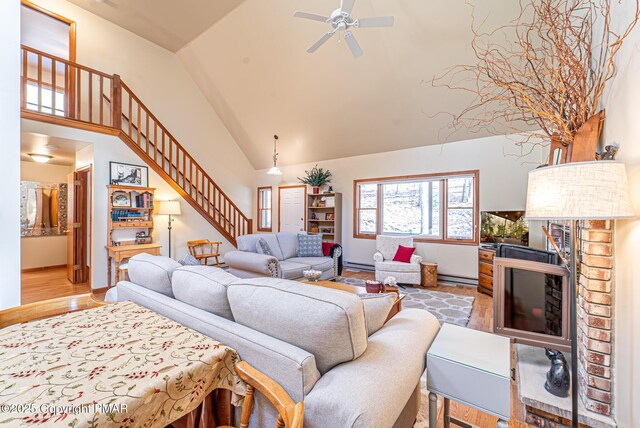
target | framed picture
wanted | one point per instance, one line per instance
(128, 175)
(331, 216)
(121, 199)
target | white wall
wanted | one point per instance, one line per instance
(102, 149)
(623, 127)
(503, 186)
(10, 149)
(159, 79)
(42, 251)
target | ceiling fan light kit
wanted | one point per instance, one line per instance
(341, 21)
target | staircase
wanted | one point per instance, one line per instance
(89, 99)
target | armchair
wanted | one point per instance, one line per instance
(405, 273)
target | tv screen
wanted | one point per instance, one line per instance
(533, 301)
(504, 227)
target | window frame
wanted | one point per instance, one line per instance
(260, 209)
(444, 209)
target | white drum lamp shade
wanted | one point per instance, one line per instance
(169, 208)
(596, 190)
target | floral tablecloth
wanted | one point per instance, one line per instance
(119, 365)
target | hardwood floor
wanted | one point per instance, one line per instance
(481, 319)
(47, 284)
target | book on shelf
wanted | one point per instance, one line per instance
(143, 200)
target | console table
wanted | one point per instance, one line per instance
(121, 252)
(473, 368)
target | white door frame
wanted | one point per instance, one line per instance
(304, 186)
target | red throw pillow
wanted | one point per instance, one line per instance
(403, 254)
(326, 248)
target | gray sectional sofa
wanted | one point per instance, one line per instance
(320, 344)
(246, 262)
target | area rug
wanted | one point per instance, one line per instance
(447, 307)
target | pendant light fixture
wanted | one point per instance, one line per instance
(275, 170)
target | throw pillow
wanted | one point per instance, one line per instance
(326, 248)
(263, 248)
(403, 254)
(189, 260)
(309, 245)
(376, 309)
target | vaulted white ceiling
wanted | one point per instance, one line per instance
(249, 59)
(168, 23)
(254, 69)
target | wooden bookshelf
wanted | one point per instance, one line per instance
(126, 222)
(319, 208)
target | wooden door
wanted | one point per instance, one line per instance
(291, 208)
(77, 238)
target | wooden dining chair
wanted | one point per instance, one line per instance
(203, 250)
(290, 413)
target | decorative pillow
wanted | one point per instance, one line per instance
(376, 309)
(403, 254)
(263, 248)
(189, 260)
(309, 245)
(326, 248)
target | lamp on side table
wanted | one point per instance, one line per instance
(578, 191)
(169, 208)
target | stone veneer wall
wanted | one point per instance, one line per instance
(595, 316)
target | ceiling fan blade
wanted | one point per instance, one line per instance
(320, 42)
(311, 16)
(353, 44)
(383, 21)
(347, 6)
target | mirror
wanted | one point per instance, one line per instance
(43, 208)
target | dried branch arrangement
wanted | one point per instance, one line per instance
(547, 69)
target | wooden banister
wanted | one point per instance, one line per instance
(88, 94)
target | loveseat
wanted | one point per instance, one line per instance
(323, 346)
(284, 262)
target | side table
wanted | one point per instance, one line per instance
(473, 368)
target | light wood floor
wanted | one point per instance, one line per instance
(481, 319)
(49, 283)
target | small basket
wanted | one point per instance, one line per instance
(429, 274)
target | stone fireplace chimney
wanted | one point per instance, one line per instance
(595, 316)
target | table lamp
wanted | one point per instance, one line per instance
(578, 191)
(169, 208)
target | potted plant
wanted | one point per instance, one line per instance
(315, 178)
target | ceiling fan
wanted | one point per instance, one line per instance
(341, 20)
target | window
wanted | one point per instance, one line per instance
(431, 208)
(264, 209)
(42, 100)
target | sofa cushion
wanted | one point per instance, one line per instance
(263, 248)
(317, 263)
(376, 309)
(204, 287)
(288, 244)
(327, 323)
(248, 243)
(309, 245)
(189, 260)
(391, 266)
(153, 272)
(291, 270)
